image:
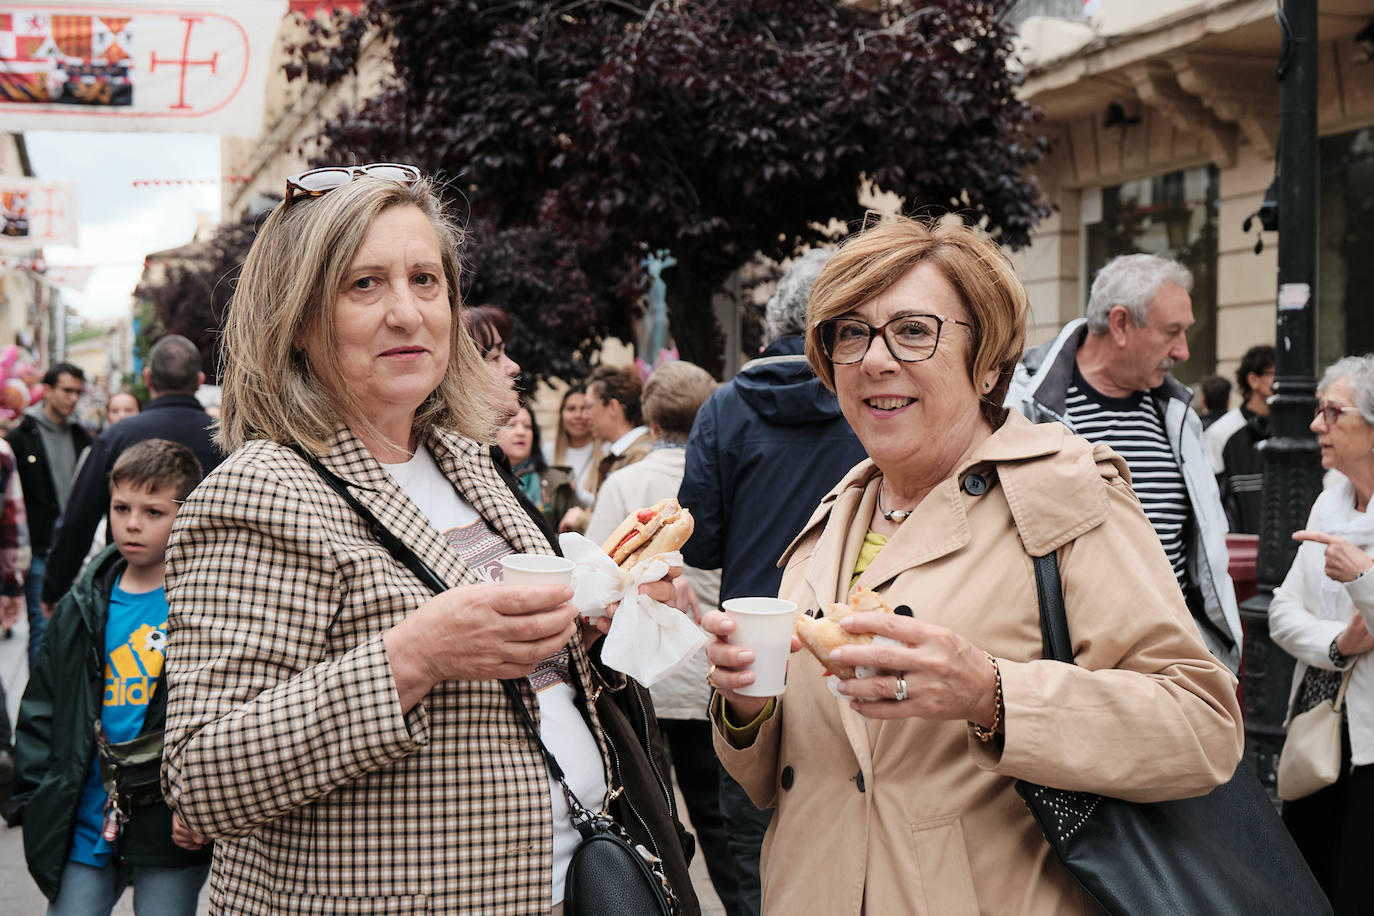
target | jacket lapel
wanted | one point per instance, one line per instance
(347, 457)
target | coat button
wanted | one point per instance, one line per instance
(33, 459)
(975, 484)
(787, 777)
(859, 780)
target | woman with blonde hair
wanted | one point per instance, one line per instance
(336, 724)
(911, 772)
(575, 446)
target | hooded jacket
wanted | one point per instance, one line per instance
(1038, 390)
(55, 738)
(765, 447)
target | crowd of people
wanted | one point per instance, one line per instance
(279, 657)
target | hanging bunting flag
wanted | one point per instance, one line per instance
(36, 213)
(175, 66)
(72, 276)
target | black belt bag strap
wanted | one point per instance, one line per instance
(1225, 853)
(609, 875)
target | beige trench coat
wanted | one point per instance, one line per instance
(917, 816)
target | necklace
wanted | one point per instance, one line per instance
(896, 515)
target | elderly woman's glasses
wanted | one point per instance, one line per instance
(319, 182)
(1331, 414)
(909, 338)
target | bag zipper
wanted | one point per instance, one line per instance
(629, 800)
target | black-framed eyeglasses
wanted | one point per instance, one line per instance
(1331, 413)
(319, 182)
(909, 338)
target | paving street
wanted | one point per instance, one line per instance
(20, 897)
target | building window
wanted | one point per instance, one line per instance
(1345, 279)
(1174, 216)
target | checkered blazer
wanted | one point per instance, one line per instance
(285, 738)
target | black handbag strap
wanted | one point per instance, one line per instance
(1054, 621)
(402, 553)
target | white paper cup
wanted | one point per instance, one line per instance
(535, 569)
(763, 625)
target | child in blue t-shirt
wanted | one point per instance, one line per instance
(100, 670)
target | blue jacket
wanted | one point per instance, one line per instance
(764, 449)
(178, 417)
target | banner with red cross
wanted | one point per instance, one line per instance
(34, 213)
(185, 65)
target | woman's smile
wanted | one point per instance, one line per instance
(889, 403)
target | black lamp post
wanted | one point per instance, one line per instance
(1290, 458)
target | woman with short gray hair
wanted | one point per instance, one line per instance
(1321, 616)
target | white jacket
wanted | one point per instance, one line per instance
(683, 693)
(1303, 625)
(1038, 390)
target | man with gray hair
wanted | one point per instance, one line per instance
(172, 376)
(1106, 377)
(765, 447)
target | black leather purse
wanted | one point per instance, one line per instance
(1225, 853)
(609, 875)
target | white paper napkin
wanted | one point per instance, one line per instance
(647, 638)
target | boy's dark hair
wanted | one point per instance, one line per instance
(621, 384)
(1259, 359)
(156, 463)
(50, 377)
(1216, 392)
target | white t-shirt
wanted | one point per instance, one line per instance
(561, 724)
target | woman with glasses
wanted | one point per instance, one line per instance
(337, 726)
(1319, 616)
(910, 773)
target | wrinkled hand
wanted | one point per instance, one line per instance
(947, 677)
(1344, 561)
(1355, 639)
(11, 609)
(730, 667)
(663, 591)
(478, 633)
(185, 837)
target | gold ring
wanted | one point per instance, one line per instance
(709, 673)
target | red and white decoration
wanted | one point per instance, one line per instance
(177, 66)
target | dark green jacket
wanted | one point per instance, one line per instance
(55, 738)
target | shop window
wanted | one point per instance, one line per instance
(1174, 216)
(1345, 277)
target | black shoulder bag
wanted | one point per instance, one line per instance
(609, 875)
(1225, 853)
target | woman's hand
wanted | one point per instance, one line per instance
(1355, 639)
(185, 837)
(663, 591)
(1344, 561)
(730, 668)
(478, 633)
(947, 677)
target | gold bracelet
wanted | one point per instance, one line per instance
(987, 734)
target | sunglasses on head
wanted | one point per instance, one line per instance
(319, 182)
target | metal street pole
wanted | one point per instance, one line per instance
(1290, 458)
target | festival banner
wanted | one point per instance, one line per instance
(36, 213)
(175, 66)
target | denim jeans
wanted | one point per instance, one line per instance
(89, 891)
(33, 597)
